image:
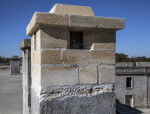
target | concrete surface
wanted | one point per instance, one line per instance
(10, 93)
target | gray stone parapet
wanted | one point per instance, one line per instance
(26, 43)
(15, 65)
(25, 46)
(132, 70)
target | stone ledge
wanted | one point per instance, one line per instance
(49, 19)
(97, 22)
(26, 43)
(96, 99)
(102, 56)
(46, 19)
(103, 46)
(78, 90)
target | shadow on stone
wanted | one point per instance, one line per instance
(125, 109)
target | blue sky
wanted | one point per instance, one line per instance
(134, 40)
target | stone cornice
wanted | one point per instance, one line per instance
(73, 21)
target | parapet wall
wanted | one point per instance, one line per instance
(132, 64)
(50, 56)
(130, 68)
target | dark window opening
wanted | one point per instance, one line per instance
(129, 82)
(76, 40)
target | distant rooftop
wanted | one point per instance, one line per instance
(72, 10)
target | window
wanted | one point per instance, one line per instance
(76, 40)
(128, 82)
(129, 100)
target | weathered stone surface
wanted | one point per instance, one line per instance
(50, 56)
(132, 70)
(124, 64)
(37, 41)
(94, 38)
(36, 74)
(108, 46)
(71, 56)
(46, 19)
(15, 58)
(15, 66)
(49, 19)
(54, 37)
(102, 57)
(143, 64)
(58, 76)
(72, 10)
(78, 90)
(35, 57)
(97, 22)
(25, 44)
(139, 90)
(106, 74)
(33, 42)
(79, 100)
(26, 69)
(88, 75)
(35, 109)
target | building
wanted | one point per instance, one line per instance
(132, 85)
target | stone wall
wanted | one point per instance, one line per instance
(53, 64)
(72, 66)
(68, 80)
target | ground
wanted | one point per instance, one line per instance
(10, 92)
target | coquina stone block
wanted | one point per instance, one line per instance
(74, 10)
(35, 41)
(74, 57)
(102, 56)
(35, 57)
(105, 46)
(46, 19)
(88, 75)
(96, 22)
(58, 76)
(50, 56)
(36, 74)
(95, 39)
(54, 37)
(106, 74)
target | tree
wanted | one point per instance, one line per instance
(120, 57)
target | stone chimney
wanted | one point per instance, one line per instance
(72, 61)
